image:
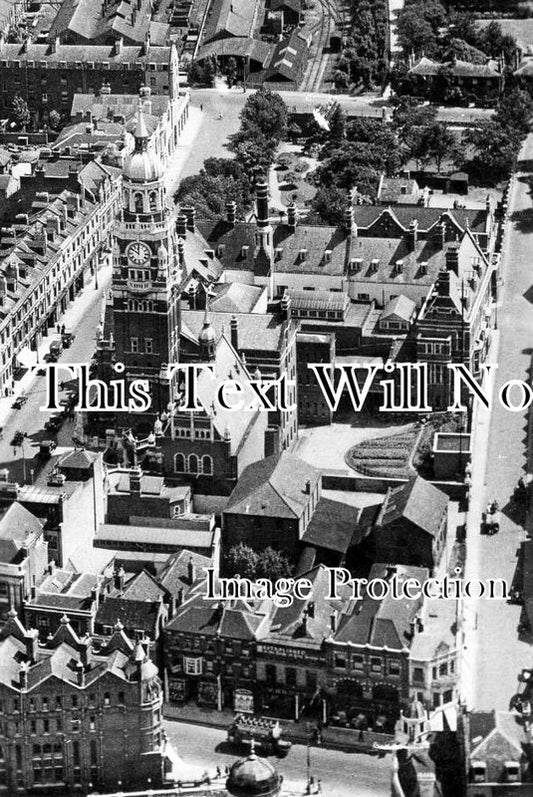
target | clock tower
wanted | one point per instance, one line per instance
(146, 281)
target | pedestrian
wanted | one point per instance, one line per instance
(201, 106)
(63, 329)
(319, 786)
(58, 329)
(219, 772)
(281, 780)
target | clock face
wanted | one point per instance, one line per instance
(138, 253)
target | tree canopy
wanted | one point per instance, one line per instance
(244, 561)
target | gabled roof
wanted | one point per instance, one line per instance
(332, 526)
(79, 459)
(274, 487)
(400, 307)
(382, 623)
(498, 732)
(17, 524)
(135, 615)
(236, 619)
(418, 501)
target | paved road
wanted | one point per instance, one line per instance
(342, 774)
(498, 652)
(82, 317)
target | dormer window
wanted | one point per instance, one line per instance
(221, 248)
(278, 252)
(479, 771)
(244, 251)
(210, 253)
(374, 265)
(512, 771)
(327, 256)
(423, 267)
(399, 266)
(356, 264)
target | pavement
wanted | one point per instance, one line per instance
(82, 317)
(495, 651)
(342, 774)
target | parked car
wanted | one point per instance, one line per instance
(18, 438)
(56, 479)
(265, 732)
(66, 339)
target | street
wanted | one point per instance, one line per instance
(82, 317)
(341, 774)
(495, 649)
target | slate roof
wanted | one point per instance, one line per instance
(273, 487)
(289, 58)
(231, 18)
(178, 538)
(332, 526)
(108, 106)
(393, 189)
(135, 615)
(65, 591)
(237, 619)
(59, 658)
(16, 525)
(425, 67)
(428, 218)
(238, 46)
(318, 300)
(79, 459)
(386, 622)
(141, 586)
(81, 53)
(400, 307)
(304, 625)
(485, 726)
(86, 19)
(256, 331)
(418, 501)
(175, 573)
(234, 297)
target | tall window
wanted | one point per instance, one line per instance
(138, 203)
(179, 463)
(193, 463)
(207, 465)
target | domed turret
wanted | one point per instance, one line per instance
(142, 165)
(207, 338)
(253, 777)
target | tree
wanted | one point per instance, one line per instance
(54, 119)
(495, 151)
(265, 111)
(20, 113)
(242, 560)
(328, 205)
(435, 143)
(514, 112)
(231, 71)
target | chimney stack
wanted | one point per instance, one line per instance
(261, 199)
(191, 571)
(191, 218)
(412, 235)
(292, 216)
(31, 640)
(348, 218)
(119, 578)
(135, 480)
(234, 327)
(231, 213)
(333, 622)
(181, 225)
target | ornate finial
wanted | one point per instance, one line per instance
(252, 749)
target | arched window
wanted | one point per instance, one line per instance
(138, 203)
(153, 200)
(193, 463)
(179, 463)
(207, 465)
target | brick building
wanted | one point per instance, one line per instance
(272, 505)
(368, 652)
(210, 649)
(23, 555)
(411, 527)
(77, 718)
(47, 76)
